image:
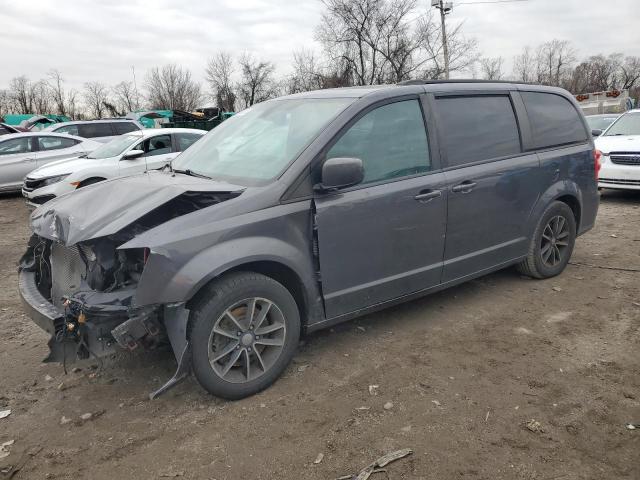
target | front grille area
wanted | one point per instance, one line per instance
(67, 271)
(619, 181)
(625, 158)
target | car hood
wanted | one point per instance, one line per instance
(615, 143)
(109, 207)
(59, 167)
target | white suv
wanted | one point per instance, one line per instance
(125, 155)
(620, 147)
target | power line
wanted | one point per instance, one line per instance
(489, 1)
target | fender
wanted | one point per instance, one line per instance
(556, 190)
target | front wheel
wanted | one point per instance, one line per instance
(244, 332)
(552, 243)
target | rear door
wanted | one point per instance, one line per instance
(52, 148)
(384, 238)
(17, 159)
(492, 184)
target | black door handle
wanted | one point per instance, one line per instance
(427, 195)
(464, 187)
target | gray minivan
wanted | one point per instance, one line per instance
(309, 210)
(103, 130)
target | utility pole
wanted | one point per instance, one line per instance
(445, 8)
(135, 87)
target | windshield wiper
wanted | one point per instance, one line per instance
(191, 173)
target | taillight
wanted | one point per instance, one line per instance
(597, 162)
(145, 255)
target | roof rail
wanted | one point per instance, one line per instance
(455, 80)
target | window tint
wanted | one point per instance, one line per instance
(477, 128)
(69, 129)
(554, 120)
(55, 143)
(185, 140)
(391, 141)
(124, 127)
(158, 145)
(15, 145)
(97, 129)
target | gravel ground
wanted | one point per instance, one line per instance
(501, 378)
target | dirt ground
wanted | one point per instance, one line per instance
(461, 372)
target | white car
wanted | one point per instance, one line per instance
(620, 147)
(21, 153)
(128, 154)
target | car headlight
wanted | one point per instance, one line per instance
(51, 180)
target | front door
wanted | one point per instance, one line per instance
(158, 152)
(492, 184)
(384, 238)
(17, 159)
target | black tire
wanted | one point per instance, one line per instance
(231, 294)
(90, 181)
(550, 248)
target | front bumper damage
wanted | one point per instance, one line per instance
(95, 324)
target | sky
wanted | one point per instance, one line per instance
(93, 40)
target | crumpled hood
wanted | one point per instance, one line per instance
(615, 143)
(107, 207)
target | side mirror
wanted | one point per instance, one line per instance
(596, 132)
(131, 154)
(341, 173)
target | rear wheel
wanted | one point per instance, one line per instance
(552, 243)
(244, 332)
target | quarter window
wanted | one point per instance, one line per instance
(391, 141)
(477, 128)
(15, 145)
(55, 143)
(554, 120)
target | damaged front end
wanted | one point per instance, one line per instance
(80, 287)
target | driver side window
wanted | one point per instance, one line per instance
(391, 141)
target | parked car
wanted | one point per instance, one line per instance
(599, 123)
(7, 129)
(20, 153)
(125, 155)
(308, 210)
(620, 147)
(99, 130)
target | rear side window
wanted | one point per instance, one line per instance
(391, 141)
(477, 128)
(124, 127)
(55, 143)
(92, 130)
(69, 129)
(185, 140)
(554, 120)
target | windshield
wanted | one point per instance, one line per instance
(600, 123)
(628, 124)
(115, 147)
(257, 144)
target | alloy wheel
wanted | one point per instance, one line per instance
(554, 242)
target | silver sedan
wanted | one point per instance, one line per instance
(20, 153)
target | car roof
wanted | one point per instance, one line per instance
(413, 86)
(43, 133)
(150, 132)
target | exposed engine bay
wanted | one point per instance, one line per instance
(84, 293)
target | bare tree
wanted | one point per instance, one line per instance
(525, 66)
(554, 59)
(95, 97)
(491, 68)
(125, 97)
(220, 77)
(21, 90)
(6, 102)
(56, 87)
(41, 97)
(630, 72)
(257, 82)
(171, 87)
